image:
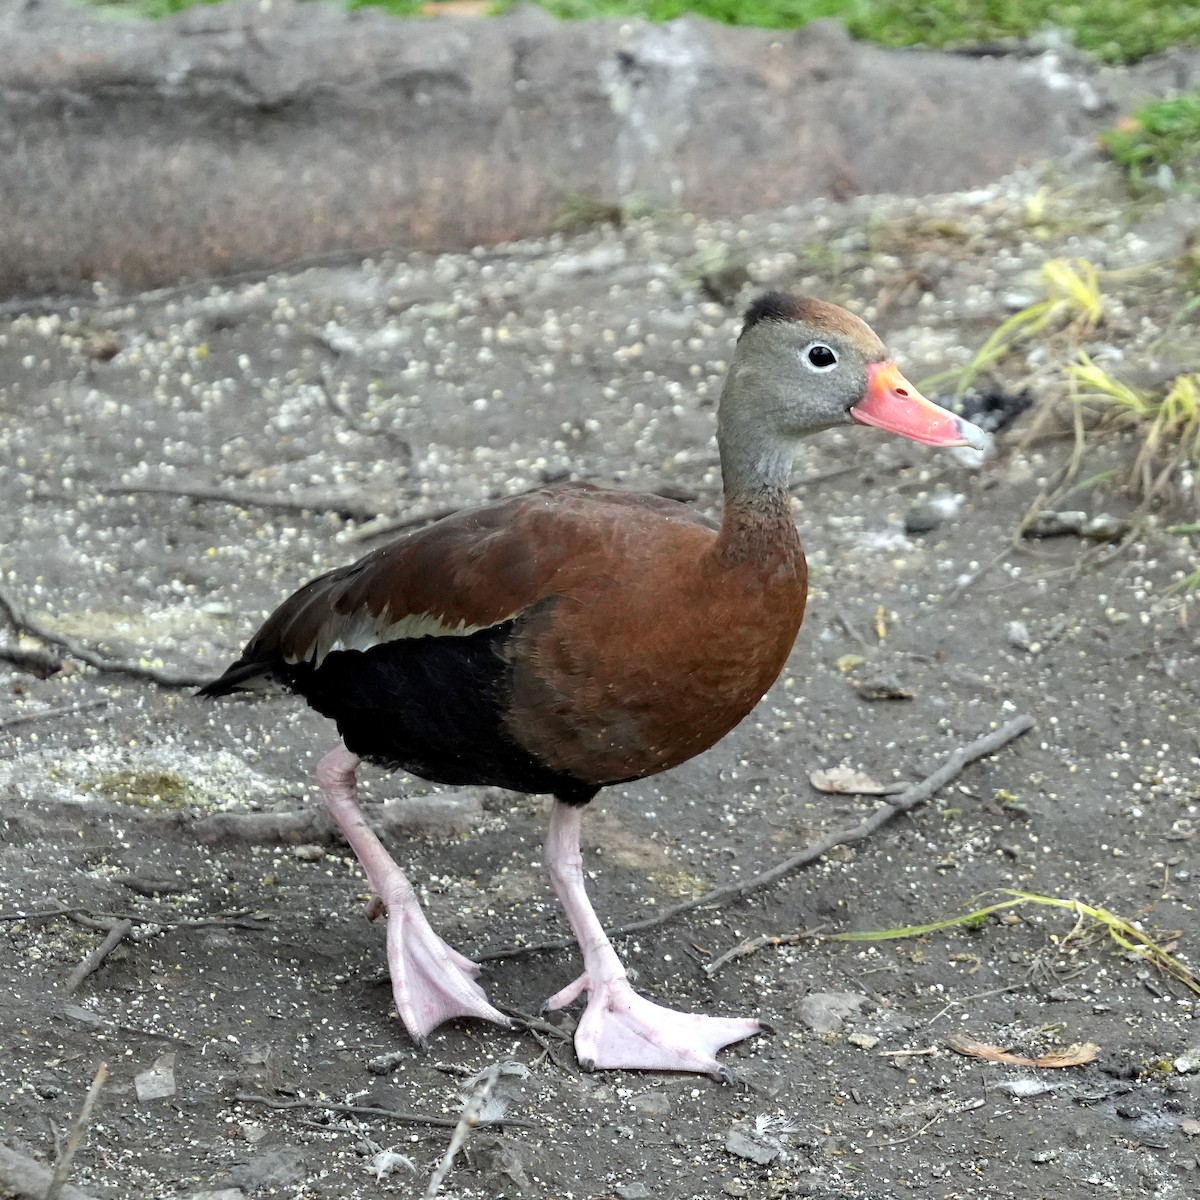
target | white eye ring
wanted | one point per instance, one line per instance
(822, 351)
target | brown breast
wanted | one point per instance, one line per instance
(655, 653)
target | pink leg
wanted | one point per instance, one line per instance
(431, 981)
(620, 1029)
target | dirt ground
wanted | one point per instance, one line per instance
(250, 986)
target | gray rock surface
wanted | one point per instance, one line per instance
(243, 135)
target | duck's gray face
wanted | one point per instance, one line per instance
(803, 365)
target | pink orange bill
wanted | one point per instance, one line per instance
(892, 403)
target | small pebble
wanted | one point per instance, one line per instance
(922, 518)
(1017, 633)
(1188, 1063)
(825, 1012)
(158, 1083)
(736, 1142)
(1025, 1089)
(651, 1104)
(863, 1040)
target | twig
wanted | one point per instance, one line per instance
(353, 420)
(49, 714)
(369, 1110)
(840, 618)
(265, 828)
(376, 529)
(59, 1179)
(749, 947)
(27, 1179)
(349, 510)
(950, 1110)
(416, 814)
(917, 794)
(109, 921)
(971, 580)
(380, 528)
(116, 935)
(471, 1113)
(76, 649)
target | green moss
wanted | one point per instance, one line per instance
(1164, 136)
(1113, 30)
(146, 789)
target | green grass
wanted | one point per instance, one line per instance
(1159, 143)
(1128, 936)
(1112, 30)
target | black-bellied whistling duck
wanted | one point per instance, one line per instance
(575, 637)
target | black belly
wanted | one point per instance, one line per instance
(432, 706)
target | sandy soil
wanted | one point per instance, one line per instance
(250, 980)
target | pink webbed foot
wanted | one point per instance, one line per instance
(431, 981)
(620, 1030)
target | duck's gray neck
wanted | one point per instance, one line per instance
(756, 463)
(756, 470)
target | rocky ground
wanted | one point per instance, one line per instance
(176, 463)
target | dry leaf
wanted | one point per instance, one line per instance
(881, 687)
(1072, 1056)
(846, 781)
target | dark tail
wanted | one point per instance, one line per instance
(240, 677)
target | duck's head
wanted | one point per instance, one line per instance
(803, 365)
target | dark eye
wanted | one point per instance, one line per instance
(821, 356)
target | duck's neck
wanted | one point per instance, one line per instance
(755, 471)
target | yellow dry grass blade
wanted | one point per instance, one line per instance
(1074, 285)
(1073, 298)
(1121, 931)
(1169, 426)
(1089, 381)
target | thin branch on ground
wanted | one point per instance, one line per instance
(58, 1180)
(471, 1114)
(400, 524)
(915, 795)
(949, 1111)
(971, 580)
(28, 1179)
(291, 827)
(369, 1110)
(116, 935)
(757, 943)
(265, 828)
(49, 714)
(382, 528)
(348, 510)
(236, 919)
(354, 420)
(24, 623)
